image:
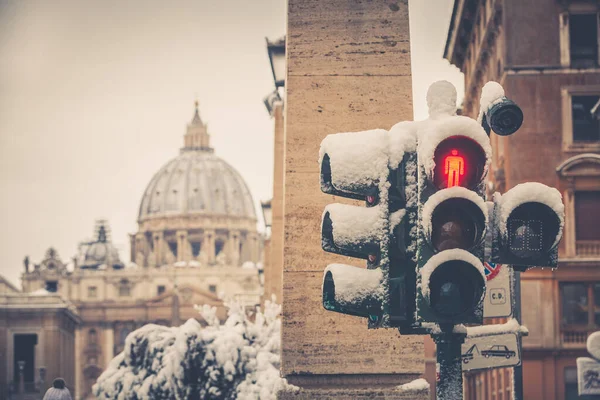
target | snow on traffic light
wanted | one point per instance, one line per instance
(370, 166)
(454, 154)
(528, 224)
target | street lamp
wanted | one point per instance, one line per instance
(267, 213)
(276, 50)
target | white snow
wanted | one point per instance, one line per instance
(396, 218)
(441, 99)
(249, 265)
(525, 193)
(353, 225)
(512, 326)
(356, 158)
(491, 94)
(593, 345)
(433, 132)
(238, 359)
(442, 257)
(402, 139)
(40, 292)
(352, 284)
(439, 197)
(416, 385)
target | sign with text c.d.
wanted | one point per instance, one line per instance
(498, 299)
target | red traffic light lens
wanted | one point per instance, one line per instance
(459, 161)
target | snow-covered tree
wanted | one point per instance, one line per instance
(236, 360)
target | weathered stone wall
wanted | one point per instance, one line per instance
(348, 70)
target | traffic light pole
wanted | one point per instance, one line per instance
(518, 371)
(449, 357)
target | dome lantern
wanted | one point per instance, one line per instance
(196, 136)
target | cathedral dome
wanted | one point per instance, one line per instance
(197, 182)
(100, 253)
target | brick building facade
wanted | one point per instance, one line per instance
(545, 54)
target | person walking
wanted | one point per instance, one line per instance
(58, 391)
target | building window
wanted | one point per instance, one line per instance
(571, 390)
(160, 289)
(212, 288)
(196, 247)
(587, 217)
(52, 286)
(92, 336)
(575, 303)
(219, 245)
(124, 291)
(583, 40)
(585, 111)
(92, 292)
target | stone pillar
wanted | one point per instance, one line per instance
(158, 250)
(109, 343)
(234, 246)
(209, 245)
(78, 364)
(348, 70)
(274, 266)
(182, 244)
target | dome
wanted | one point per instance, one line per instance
(197, 182)
(101, 251)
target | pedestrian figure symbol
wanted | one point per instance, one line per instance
(454, 168)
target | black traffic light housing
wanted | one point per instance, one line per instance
(528, 221)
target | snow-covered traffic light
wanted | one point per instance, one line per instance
(453, 159)
(528, 222)
(378, 167)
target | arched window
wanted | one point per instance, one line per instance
(124, 288)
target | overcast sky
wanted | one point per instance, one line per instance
(95, 96)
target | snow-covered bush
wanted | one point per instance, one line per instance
(236, 360)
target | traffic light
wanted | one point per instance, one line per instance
(453, 159)
(528, 222)
(378, 167)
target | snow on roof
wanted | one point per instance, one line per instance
(441, 99)
(442, 257)
(40, 292)
(352, 224)
(353, 284)
(593, 344)
(356, 158)
(416, 385)
(526, 193)
(491, 94)
(445, 194)
(512, 326)
(433, 132)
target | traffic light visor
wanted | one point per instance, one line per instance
(456, 287)
(452, 284)
(532, 229)
(459, 161)
(456, 223)
(454, 218)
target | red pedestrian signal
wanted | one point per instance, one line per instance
(454, 168)
(459, 161)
